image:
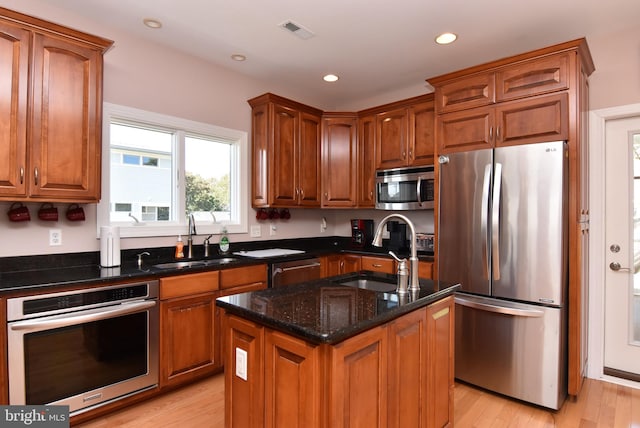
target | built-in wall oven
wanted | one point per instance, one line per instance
(83, 348)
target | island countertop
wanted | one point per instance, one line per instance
(326, 310)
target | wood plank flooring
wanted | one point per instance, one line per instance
(201, 405)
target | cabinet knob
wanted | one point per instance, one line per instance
(35, 175)
(497, 133)
(21, 175)
(490, 133)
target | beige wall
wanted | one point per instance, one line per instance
(143, 75)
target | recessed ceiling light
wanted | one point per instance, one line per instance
(446, 38)
(330, 78)
(152, 23)
(238, 57)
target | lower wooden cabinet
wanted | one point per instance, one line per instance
(188, 328)
(338, 264)
(399, 374)
(378, 264)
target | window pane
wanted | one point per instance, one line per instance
(134, 183)
(207, 175)
(123, 207)
(635, 297)
(147, 161)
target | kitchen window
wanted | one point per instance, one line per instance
(157, 169)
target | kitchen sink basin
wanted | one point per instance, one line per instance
(194, 263)
(371, 284)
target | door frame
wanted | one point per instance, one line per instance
(597, 242)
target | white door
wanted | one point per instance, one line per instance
(622, 240)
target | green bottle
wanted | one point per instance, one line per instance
(224, 242)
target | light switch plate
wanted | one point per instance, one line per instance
(256, 231)
(241, 363)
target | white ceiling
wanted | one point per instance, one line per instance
(375, 46)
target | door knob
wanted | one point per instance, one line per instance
(615, 266)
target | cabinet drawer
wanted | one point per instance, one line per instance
(230, 278)
(378, 264)
(186, 285)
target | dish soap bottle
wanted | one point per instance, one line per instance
(224, 242)
(179, 248)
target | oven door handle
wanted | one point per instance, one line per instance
(66, 320)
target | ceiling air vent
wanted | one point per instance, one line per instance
(297, 29)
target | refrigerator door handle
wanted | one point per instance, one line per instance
(519, 312)
(484, 219)
(495, 221)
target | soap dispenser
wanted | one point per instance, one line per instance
(224, 242)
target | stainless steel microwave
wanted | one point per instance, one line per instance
(405, 188)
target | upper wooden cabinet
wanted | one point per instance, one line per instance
(339, 160)
(404, 133)
(510, 103)
(286, 153)
(366, 161)
(51, 95)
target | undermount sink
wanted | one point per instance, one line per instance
(371, 284)
(194, 263)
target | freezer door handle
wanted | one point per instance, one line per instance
(495, 221)
(484, 219)
(489, 307)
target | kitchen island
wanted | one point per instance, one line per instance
(340, 352)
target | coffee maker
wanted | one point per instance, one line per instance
(361, 232)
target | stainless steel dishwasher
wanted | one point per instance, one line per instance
(294, 272)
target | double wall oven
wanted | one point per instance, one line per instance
(83, 348)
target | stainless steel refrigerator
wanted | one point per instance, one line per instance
(503, 235)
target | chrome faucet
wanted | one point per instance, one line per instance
(192, 233)
(414, 284)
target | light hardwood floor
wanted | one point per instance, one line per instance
(201, 405)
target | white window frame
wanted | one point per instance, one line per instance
(239, 175)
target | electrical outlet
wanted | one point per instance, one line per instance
(273, 229)
(241, 363)
(256, 231)
(55, 237)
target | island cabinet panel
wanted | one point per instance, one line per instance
(244, 374)
(292, 382)
(358, 391)
(440, 363)
(408, 395)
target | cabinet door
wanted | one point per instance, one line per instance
(66, 116)
(392, 131)
(534, 77)
(465, 130)
(350, 263)
(261, 153)
(366, 162)
(533, 120)
(467, 92)
(308, 158)
(188, 339)
(339, 161)
(422, 123)
(284, 186)
(440, 369)
(358, 384)
(14, 79)
(408, 399)
(244, 373)
(292, 382)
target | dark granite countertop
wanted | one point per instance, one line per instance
(325, 311)
(30, 273)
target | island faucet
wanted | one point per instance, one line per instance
(192, 233)
(414, 284)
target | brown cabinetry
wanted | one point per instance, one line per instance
(338, 264)
(404, 135)
(339, 160)
(367, 161)
(286, 153)
(378, 264)
(188, 336)
(398, 374)
(50, 146)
